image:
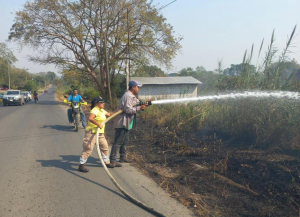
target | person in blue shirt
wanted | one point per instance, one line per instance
(75, 97)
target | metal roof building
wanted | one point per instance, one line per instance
(167, 87)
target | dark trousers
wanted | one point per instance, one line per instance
(121, 141)
(82, 117)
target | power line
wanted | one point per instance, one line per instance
(167, 5)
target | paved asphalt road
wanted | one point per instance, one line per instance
(39, 153)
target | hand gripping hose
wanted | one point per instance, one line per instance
(135, 201)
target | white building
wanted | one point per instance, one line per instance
(167, 87)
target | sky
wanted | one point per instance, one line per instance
(213, 30)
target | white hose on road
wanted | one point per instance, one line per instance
(137, 202)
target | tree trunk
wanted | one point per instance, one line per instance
(99, 83)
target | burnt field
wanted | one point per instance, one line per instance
(215, 174)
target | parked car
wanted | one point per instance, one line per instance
(1, 95)
(26, 97)
(13, 97)
(45, 91)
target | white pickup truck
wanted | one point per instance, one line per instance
(13, 97)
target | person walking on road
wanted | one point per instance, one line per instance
(124, 122)
(96, 117)
(75, 97)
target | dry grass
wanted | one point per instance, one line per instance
(257, 122)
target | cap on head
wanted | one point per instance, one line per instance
(134, 83)
(98, 99)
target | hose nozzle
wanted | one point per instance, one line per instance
(144, 103)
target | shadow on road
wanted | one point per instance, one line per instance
(41, 102)
(29, 136)
(59, 127)
(67, 163)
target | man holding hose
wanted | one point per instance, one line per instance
(124, 122)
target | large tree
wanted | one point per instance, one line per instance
(50, 76)
(95, 36)
(237, 69)
(7, 58)
(148, 71)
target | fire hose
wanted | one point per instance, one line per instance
(134, 200)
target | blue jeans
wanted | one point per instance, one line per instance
(82, 117)
(70, 117)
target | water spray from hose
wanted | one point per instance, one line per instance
(247, 94)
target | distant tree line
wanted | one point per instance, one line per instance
(20, 78)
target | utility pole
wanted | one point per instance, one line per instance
(8, 75)
(128, 41)
(127, 75)
(128, 55)
(107, 72)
